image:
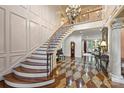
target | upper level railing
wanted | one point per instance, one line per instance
(105, 13)
(93, 15)
(90, 16)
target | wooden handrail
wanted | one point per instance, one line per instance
(56, 31)
(99, 9)
(53, 36)
(51, 54)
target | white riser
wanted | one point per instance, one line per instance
(33, 67)
(41, 48)
(39, 56)
(65, 33)
(44, 52)
(40, 53)
(55, 41)
(38, 61)
(45, 49)
(30, 75)
(50, 45)
(19, 85)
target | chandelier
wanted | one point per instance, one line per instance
(72, 12)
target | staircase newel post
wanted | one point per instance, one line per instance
(47, 64)
(52, 63)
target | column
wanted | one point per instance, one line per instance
(115, 50)
(109, 47)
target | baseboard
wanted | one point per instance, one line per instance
(118, 79)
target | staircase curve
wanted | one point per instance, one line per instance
(37, 69)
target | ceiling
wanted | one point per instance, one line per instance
(88, 32)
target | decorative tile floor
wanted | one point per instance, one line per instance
(81, 74)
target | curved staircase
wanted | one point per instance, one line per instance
(36, 70)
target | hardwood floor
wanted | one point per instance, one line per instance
(66, 76)
(2, 84)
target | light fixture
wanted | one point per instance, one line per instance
(72, 11)
(103, 44)
(84, 15)
(97, 12)
(87, 10)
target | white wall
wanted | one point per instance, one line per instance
(79, 40)
(22, 29)
(89, 25)
(66, 45)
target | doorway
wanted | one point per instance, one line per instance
(72, 49)
(85, 46)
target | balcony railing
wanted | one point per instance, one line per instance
(90, 16)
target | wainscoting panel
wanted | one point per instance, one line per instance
(36, 10)
(24, 6)
(2, 63)
(22, 29)
(34, 29)
(18, 32)
(14, 59)
(2, 30)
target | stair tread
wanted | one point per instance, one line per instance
(51, 44)
(122, 60)
(44, 49)
(39, 53)
(12, 78)
(57, 39)
(27, 70)
(37, 58)
(48, 47)
(52, 40)
(34, 63)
